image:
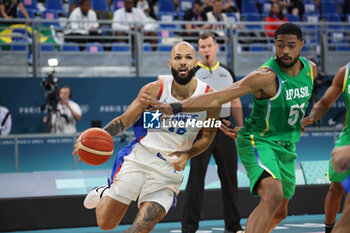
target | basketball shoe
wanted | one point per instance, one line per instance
(95, 196)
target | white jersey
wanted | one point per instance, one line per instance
(173, 136)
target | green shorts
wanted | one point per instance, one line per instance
(276, 158)
(342, 140)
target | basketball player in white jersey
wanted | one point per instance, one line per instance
(149, 168)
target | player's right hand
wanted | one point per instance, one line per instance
(181, 162)
(155, 104)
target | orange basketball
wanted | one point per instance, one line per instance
(95, 146)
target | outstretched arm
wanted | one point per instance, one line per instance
(327, 100)
(259, 80)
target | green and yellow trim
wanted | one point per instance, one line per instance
(206, 67)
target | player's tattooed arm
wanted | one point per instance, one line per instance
(115, 127)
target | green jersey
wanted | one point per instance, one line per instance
(279, 118)
(344, 138)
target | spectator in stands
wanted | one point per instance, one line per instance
(82, 23)
(216, 15)
(5, 120)
(8, 9)
(295, 7)
(128, 19)
(145, 7)
(276, 15)
(73, 4)
(63, 120)
(196, 14)
(227, 6)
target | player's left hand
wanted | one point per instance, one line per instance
(229, 130)
(155, 104)
(181, 162)
(75, 152)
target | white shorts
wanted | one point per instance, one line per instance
(147, 177)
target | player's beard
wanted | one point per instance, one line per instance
(183, 80)
(281, 63)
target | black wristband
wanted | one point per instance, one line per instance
(177, 107)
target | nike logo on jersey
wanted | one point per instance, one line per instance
(284, 81)
(297, 93)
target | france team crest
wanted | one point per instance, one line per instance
(151, 120)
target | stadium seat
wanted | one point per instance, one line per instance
(342, 47)
(120, 47)
(147, 47)
(54, 5)
(47, 48)
(249, 8)
(185, 5)
(292, 18)
(30, 5)
(118, 4)
(70, 47)
(329, 8)
(99, 5)
(164, 48)
(337, 37)
(305, 48)
(18, 47)
(94, 47)
(253, 18)
(310, 7)
(256, 48)
(166, 6)
(50, 15)
(311, 19)
(334, 18)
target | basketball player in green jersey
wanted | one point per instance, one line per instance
(281, 88)
(340, 84)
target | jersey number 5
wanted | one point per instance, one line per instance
(294, 113)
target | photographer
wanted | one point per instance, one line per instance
(63, 119)
(5, 120)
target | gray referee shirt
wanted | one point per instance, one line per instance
(218, 78)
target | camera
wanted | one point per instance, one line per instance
(50, 83)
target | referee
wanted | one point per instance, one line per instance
(223, 148)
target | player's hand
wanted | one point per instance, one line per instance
(155, 104)
(341, 158)
(307, 121)
(75, 152)
(181, 162)
(229, 130)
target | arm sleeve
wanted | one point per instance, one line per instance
(73, 20)
(93, 18)
(118, 21)
(7, 126)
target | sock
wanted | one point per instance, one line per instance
(329, 228)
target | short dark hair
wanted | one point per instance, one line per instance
(206, 35)
(83, 1)
(289, 29)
